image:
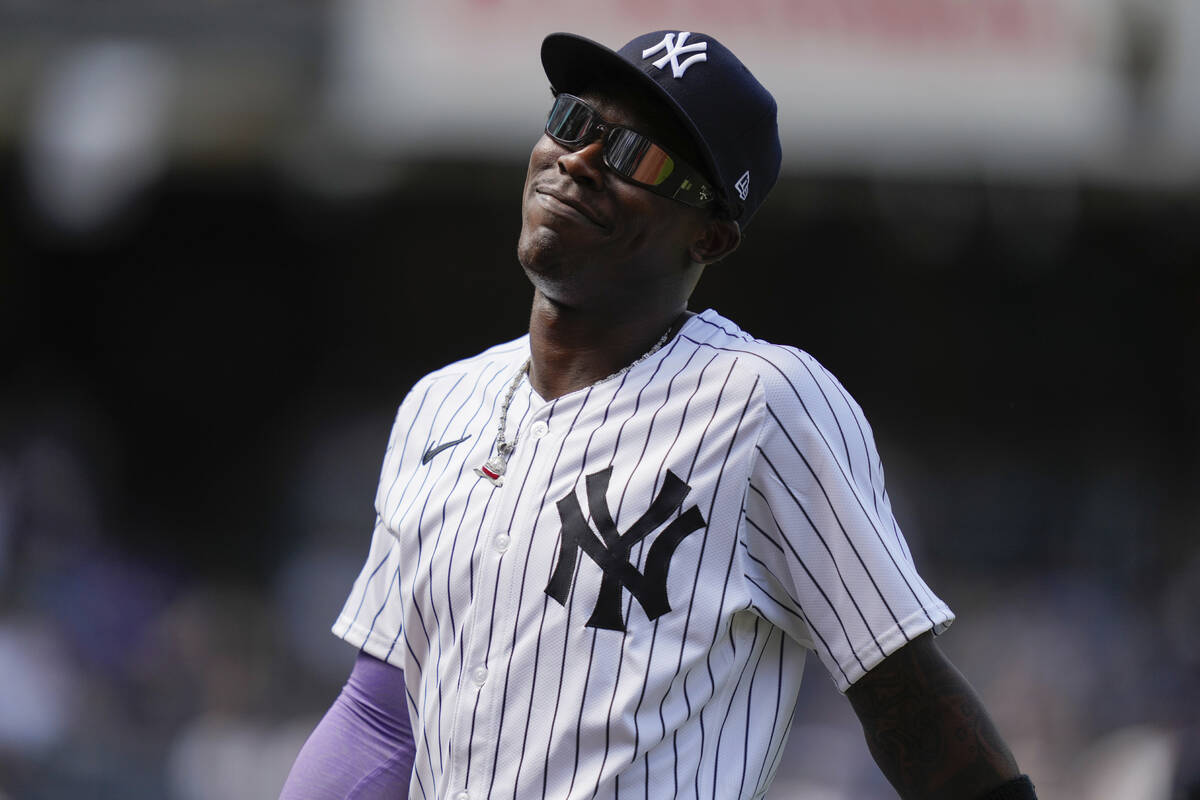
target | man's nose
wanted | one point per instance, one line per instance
(585, 164)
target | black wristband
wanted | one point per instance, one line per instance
(1019, 788)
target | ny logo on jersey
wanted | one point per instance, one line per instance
(674, 48)
(610, 550)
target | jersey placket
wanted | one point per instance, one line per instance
(487, 639)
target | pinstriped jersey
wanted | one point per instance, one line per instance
(628, 615)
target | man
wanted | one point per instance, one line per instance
(603, 550)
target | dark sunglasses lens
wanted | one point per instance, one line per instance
(568, 119)
(637, 158)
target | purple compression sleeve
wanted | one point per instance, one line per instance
(362, 749)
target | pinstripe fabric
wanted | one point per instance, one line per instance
(516, 695)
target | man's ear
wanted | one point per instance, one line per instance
(719, 238)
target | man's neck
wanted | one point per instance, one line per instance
(571, 349)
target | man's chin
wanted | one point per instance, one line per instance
(546, 251)
(553, 278)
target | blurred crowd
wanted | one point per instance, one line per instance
(123, 676)
(126, 676)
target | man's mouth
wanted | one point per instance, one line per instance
(563, 205)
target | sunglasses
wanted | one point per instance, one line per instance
(631, 155)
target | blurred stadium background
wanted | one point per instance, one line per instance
(232, 234)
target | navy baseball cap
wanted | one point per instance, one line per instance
(729, 114)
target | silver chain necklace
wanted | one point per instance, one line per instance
(494, 468)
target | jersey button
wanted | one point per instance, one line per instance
(501, 542)
(539, 429)
(479, 675)
(462, 796)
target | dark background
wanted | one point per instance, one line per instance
(228, 317)
(194, 401)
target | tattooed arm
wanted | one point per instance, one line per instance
(927, 729)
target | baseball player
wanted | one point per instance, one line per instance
(604, 551)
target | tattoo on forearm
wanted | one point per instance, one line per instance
(927, 729)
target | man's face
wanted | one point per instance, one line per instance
(591, 238)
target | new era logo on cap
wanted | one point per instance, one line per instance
(674, 48)
(743, 185)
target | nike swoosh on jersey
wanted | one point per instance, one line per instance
(435, 449)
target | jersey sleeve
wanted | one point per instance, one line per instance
(824, 557)
(372, 617)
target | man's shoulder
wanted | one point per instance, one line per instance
(776, 366)
(500, 359)
(496, 356)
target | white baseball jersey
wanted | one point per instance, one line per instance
(628, 615)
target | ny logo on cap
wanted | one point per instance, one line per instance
(673, 48)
